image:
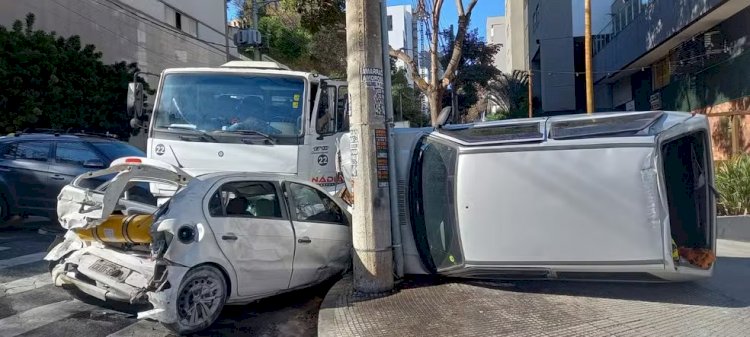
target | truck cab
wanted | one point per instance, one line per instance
(248, 117)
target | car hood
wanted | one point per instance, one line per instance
(82, 207)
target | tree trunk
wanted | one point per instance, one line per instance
(435, 98)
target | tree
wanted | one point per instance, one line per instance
(510, 92)
(475, 68)
(406, 103)
(435, 86)
(295, 36)
(48, 81)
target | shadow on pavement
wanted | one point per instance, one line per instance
(723, 290)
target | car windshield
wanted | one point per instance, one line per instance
(433, 205)
(115, 150)
(231, 103)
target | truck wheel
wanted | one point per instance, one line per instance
(201, 297)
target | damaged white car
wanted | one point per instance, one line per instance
(225, 238)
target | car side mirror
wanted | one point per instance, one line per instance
(135, 99)
(93, 164)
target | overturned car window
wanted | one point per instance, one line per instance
(603, 125)
(433, 205)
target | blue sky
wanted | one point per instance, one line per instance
(449, 14)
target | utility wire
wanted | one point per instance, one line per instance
(166, 28)
(166, 58)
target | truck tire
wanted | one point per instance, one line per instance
(200, 298)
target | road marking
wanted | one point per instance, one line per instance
(19, 260)
(4, 248)
(34, 318)
(25, 284)
(141, 328)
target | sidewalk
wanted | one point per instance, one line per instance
(438, 307)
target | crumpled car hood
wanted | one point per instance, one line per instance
(79, 207)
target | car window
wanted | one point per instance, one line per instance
(74, 153)
(246, 199)
(37, 150)
(313, 205)
(115, 150)
(325, 119)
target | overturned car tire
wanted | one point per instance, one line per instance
(201, 297)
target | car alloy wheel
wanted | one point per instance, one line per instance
(200, 299)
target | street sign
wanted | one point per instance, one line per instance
(247, 38)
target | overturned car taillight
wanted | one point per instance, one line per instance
(133, 229)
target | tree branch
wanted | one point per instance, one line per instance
(463, 23)
(422, 85)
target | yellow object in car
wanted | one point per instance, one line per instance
(120, 229)
(675, 251)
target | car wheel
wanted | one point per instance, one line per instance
(201, 297)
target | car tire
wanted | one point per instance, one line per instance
(200, 299)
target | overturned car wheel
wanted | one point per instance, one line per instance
(200, 299)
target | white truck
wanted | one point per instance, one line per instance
(245, 116)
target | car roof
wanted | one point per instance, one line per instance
(212, 177)
(58, 136)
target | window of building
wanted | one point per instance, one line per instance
(661, 73)
(180, 21)
(390, 23)
(74, 153)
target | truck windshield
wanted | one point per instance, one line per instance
(220, 104)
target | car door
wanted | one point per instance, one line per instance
(253, 231)
(71, 159)
(24, 167)
(323, 246)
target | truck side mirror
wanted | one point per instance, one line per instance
(135, 99)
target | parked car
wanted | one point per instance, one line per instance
(34, 167)
(223, 238)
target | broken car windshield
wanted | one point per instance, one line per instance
(211, 102)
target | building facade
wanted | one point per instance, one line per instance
(497, 34)
(157, 34)
(402, 30)
(516, 36)
(555, 45)
(688, 56)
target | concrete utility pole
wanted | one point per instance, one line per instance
(256, 48)
(589, 72)
(371, 228)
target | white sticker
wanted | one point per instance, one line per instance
(109, 233)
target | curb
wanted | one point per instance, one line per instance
(735, 228)
(327, 313)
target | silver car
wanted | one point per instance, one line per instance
(225, 238)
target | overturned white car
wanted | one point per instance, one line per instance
(225, 238)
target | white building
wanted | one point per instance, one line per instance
(516, 36)
(402, 32)
(496, 34)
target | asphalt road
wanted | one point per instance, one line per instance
(31, 306)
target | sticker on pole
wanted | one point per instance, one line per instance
(381, 155)
(373, 79)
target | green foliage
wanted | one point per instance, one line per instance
(287, 43)
(318, 15)
(294, 38)
(476, 67)
(510, 92)
(733, 185)
(406, 104)
(48, 81)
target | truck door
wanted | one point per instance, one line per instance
(323, 145)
